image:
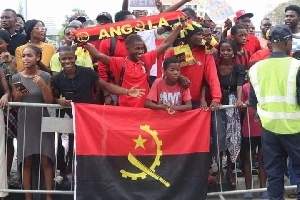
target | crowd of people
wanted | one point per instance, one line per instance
(144, 70)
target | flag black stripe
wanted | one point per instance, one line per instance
(99, 177)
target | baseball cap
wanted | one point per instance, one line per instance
(104, 15)
(241, 13)
(82, 19)
(280, 33)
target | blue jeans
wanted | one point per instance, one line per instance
(293, 177)
(274, 149)
(195, 105)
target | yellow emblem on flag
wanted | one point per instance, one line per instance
(150, 171)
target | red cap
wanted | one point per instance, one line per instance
(242, 13)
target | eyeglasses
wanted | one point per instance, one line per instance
(41, 28)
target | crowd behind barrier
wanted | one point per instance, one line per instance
(180, 62)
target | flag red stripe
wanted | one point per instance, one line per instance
(111, 131)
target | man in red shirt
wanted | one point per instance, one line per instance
(113, 47)
(135, 68)
(203, 67)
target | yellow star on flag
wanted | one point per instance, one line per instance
(139, 142)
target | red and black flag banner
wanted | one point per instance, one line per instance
(127, 27)
(126, 153)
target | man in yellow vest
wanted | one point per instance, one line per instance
(275, 91)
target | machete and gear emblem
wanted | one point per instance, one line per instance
(83, 37)
(150, 171)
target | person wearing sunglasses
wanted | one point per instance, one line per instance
(35, 35)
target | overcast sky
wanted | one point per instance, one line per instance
(40, 9)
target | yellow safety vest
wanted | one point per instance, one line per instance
(274, 83)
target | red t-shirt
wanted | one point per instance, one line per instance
(255, 127)
(204, 68)
(260, 55)
(162, 94)
(120, 51)
(244, 59)
(135, 75)
(252, 43)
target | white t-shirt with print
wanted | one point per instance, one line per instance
(149, 37)
(296, 43)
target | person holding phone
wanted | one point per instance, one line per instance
(33, 86)
(4, 96)
(8, 65)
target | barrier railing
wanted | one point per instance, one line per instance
(57, 123)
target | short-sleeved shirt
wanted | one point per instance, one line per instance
(296, 43)
(84, 61)
(47, 49)
(80, 86)
(255, 127)
(204, 69)
(230, 82)
(16, 40)
(244, 59)
(162, 94)
(136, 74)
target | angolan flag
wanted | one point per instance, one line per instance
(139, 154)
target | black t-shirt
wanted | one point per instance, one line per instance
(79, 88)
(16, 40)
(230, 82)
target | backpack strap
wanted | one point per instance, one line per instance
(113, 44)
(122, 73)
(112, 49)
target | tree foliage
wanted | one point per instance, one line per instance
(20, 8)
(76, 12)
(277, 15)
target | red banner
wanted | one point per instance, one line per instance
(127, 27)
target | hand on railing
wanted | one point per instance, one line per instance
(239, 104)
(4, 101)
(215, 105)
(64, 102)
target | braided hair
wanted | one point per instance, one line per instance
(38, 53)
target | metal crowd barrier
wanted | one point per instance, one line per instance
(62, 125)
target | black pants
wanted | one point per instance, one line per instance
(274, 148)
(65, 166)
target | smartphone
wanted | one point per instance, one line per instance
(69, 95)
(20, 86)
